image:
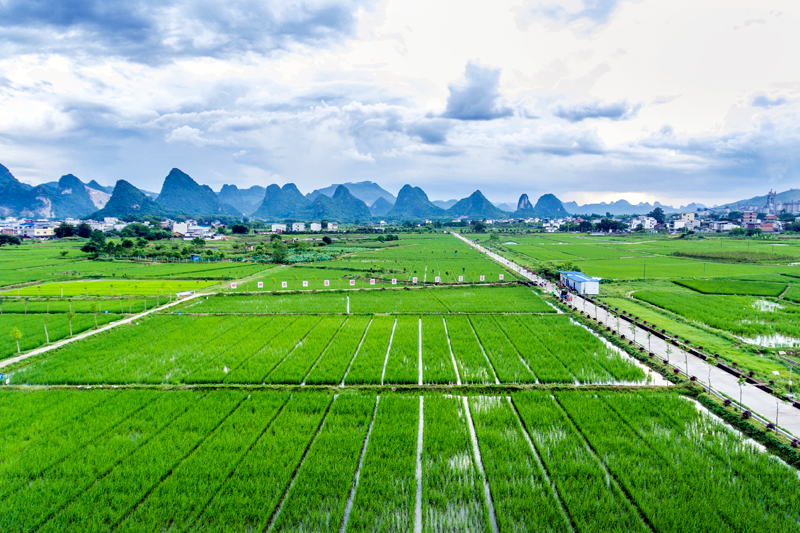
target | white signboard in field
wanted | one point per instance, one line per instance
(413, 280)
(305, 283)
(233, 285)
(326, 283)
(394, 281)
(352, 283)
(372, 282)
(460, 279)
(501, 277)
(284, 284)
(260, 284)
(438, 279)
(483, 278)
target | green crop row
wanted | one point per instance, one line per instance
(509, 299)
(35, 330)
(739, 315)
(319, 350)
(183, 461)
(741, 288)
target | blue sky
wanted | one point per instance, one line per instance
(593, 100)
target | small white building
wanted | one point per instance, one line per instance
(278, 228)
(315, 226)
(723, 225)
(648, 223)
(333, 226)
(181, 228)
(580, 282)
(298, 226)
(675, 225)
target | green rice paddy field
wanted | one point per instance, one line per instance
(467, 407)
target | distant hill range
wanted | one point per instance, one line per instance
(349, 202)
(792, 195)
(623, 207)
(68, 197)
(368, 191)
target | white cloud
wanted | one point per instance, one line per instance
(355, 155)
(655, 96)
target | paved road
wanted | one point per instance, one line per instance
(755, 400)
(91, 332)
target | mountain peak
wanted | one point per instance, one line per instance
(182, 194)
(524, 203)
(476, 205)
(413, 203)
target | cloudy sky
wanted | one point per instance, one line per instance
(593, 100)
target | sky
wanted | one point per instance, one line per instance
(591, 100)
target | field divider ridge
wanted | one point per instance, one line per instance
(88, 441)
(612, 476)
(388, 349)
(110, 469)
(418, 472)
(420, 352)
(364, 336)
(476, 451)
(277, 511)
(186, 456)
(236, 464)
(322, 353)
(266, 343)
(480, 344)
(564, 511)
(452, 355)
(290, 352)
(352, 495)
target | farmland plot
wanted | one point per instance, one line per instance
(452, 492)
(505, 358)
(385, 494)
(745, 316)
(740, 288)
(523, 498)
(32, 328)
(368, 364)
(473, 366)
(437, 365)
(296, 366)
(403, 363)
(337, 357)
(316, 500)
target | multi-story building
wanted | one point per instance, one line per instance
(315, 226)
(298, 226)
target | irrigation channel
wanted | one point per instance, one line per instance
(760, 403)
